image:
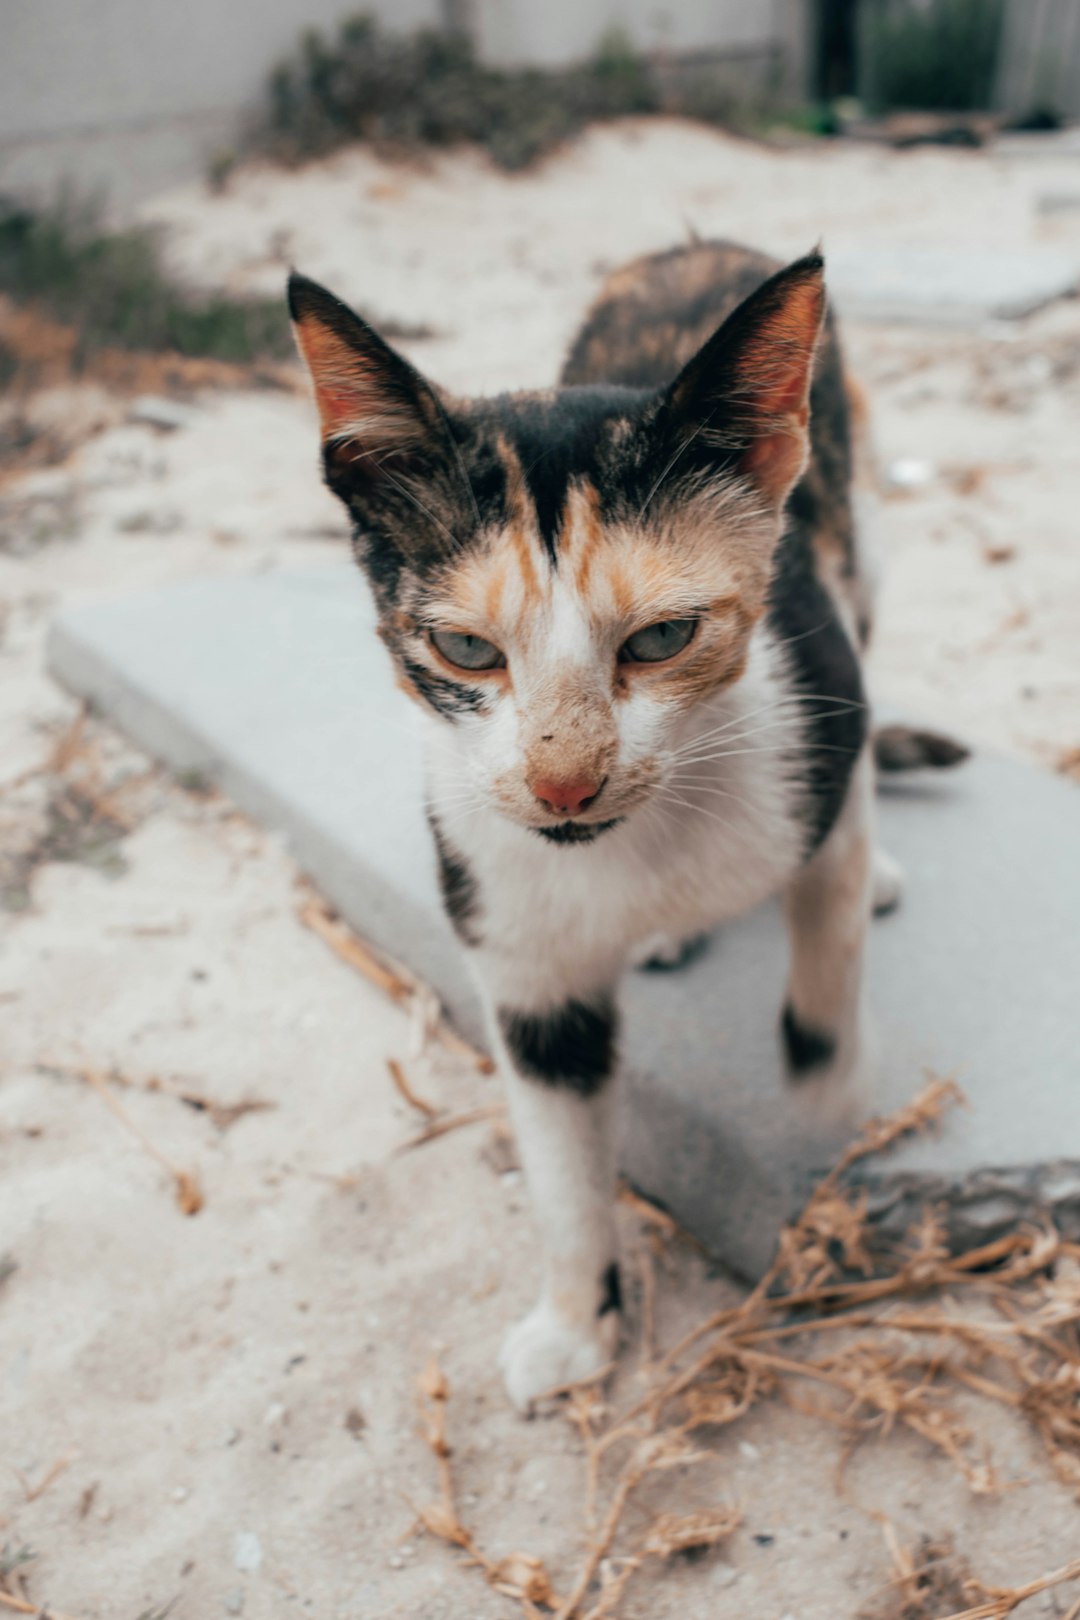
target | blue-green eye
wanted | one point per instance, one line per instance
(467, 652)
(657, 641)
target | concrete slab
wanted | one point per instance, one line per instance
(275, 687)
(948, 285)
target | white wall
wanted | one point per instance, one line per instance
(128, 95)
(557, 31)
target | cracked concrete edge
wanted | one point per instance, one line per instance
(977, 1208)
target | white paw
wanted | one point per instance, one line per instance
(835, 1100)
(888, 882)
(544, 1352)
(664, 953)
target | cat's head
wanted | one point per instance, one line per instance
(559, 577)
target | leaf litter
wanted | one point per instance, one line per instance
(831, 1332)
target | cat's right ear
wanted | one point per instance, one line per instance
(381, 422)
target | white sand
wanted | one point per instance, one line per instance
(161, 1354)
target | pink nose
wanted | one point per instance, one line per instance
(567, 798)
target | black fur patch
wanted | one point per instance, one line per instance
(573, 1045)
(610, 1290)
(446, 697)
(460, 891)
(559, 440)
(827, 678)
(807, 1048)
(570, 832)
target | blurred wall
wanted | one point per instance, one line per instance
(129, 95)
(126, 96)
(559, 31)
(1039, 65)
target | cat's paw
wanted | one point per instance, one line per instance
(666, 953)
(887, 881)
(544, 1352)
(832, 1082)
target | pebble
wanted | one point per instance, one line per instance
(724, 1575)
(275, 1414)
(247, 1552)
(168, 414)
(234, 1601)
(910, 472)
(751, 1452)
(181, 1493)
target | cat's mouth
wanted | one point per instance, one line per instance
(577, 832)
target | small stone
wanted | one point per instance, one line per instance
(181, 1493)
(748, 1450)
(167, 414)
(724, 1575)
(234, 1601)
(275, 1414)
(231, 1436)
(396, 1561)
(910, 472)
(247, 1552)
(355, 1422)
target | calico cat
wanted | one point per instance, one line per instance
(632, 608)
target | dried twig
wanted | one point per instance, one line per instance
(21, 1606)
(452, 1122)
(32, 1492)
(189, 1195)
(1000, 1603)
(879, 1366)
(404, 1086)
(390, 977)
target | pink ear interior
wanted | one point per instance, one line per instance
(346, 391)
(775, 369)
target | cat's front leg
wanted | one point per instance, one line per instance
(826, 1025)
(558, 1060)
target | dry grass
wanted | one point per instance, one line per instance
(429, 1022)
(871, 1352)
(84, 816)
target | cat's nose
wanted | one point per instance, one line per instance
(567, 798)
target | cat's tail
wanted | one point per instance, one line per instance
(909, 748)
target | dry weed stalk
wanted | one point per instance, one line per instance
(19, 1605)
(390, 977)
(189, 1193)
(877, 1362)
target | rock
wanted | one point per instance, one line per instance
(963, 286)
(152, 410)
(247, 1552)
(234, 1601)
(276, 688)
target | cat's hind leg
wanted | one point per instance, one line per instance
(825, 1023)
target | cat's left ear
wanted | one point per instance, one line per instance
(381, 422)
(746, 393)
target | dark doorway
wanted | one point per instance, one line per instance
(837, 50)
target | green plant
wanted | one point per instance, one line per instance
(939, 56)
(114, 289)
(430, 89)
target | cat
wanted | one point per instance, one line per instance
(633, 609)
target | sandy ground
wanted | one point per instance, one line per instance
(231, 1394)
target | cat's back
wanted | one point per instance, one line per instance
(654, 314)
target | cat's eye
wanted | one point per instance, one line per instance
(657, 642)
(467, 652)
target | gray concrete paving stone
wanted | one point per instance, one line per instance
(275, 687)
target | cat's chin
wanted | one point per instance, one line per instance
(577, 832)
